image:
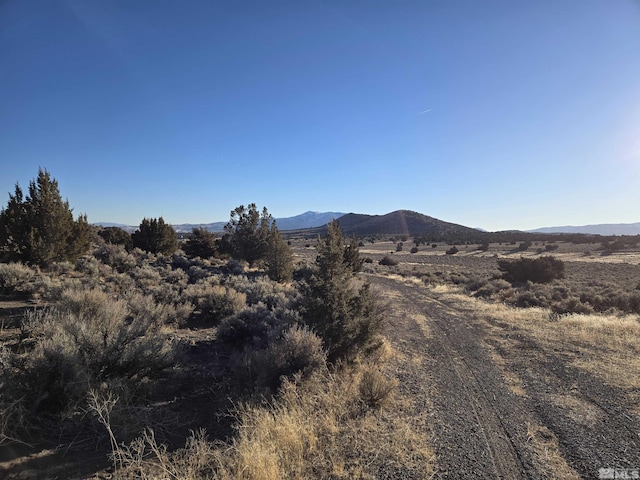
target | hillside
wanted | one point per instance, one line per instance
(405, 222)
(599, 229)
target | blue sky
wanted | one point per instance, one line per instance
(492, 114)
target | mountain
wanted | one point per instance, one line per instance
(188, 227)
(304, 220)
(598, 229)
(405, 222)
(307, 220)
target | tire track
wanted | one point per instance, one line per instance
(479, 431)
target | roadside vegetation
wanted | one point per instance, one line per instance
(115, 341)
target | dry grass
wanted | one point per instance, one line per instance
(321, 428)
(608, 346)
(547, 453)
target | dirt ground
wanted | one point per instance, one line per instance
(502, 404)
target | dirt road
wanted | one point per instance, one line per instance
(552, 421)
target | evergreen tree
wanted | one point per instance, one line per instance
(202, 243)
(116, 236)
(155, 236)
(248, 232)
(352, 256)
(40, 228)
(279, 258)
(345, 316)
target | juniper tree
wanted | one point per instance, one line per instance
(155, 236)
(279, 258)
(248, 232)
(346, 316)
(40, 229)
(116, 236)
(202, 243)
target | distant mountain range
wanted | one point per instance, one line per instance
(400, 222)
(599, 229)
(299, 222)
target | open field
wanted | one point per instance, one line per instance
(466, 385)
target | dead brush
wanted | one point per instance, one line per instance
(376, 390)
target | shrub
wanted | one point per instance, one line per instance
(414, 250)
(388, 261)
(452, 251)
(550, 247)
(299, 351)
(116, 256)
(524, 246)
(88, 265)
(399, 247)
(218, 302)
(537, 270)
(252, 326)
(87, 340)
(375, 389)
(201, 243)
(14, 277)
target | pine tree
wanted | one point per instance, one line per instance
(155, 236)
(279, 258)
(40, 228)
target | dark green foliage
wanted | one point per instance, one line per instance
(248, 232)
(201, 243)
(452, 251)
(40, 228)
(116, 236)
(352, 256)
(345, 316)
(414, 250)
(399, 247)
(279, 258)
(252, 326)
(550, 247)
(537, 270)
(388, 261)
(524, 246)
(155, 236)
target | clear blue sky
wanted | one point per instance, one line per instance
(493, 114)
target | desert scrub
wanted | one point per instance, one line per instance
(255, 326)
(115, 256)
(88, 265)
(87, 340)
(388, 261)
(297, 352)
(315, 428)
(15, 277)
(537, 270)
(146, 276)
(262, 290)
(216, 302)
